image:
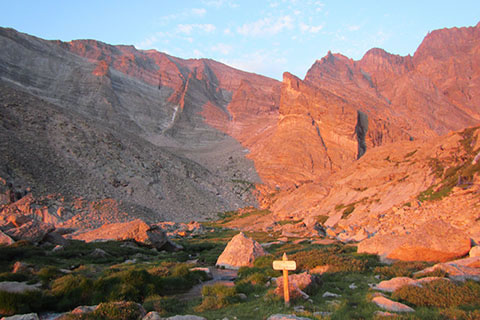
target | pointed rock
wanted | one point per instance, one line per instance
(240, 251)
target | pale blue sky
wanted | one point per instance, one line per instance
(267, 37)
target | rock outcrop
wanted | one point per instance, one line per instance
(434, 240)
(240, 251)
(459, 270)
(390, 305)
(136, 230)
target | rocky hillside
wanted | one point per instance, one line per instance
(167, 138)
(97, 121)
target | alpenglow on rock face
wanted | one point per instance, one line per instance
(240, 251)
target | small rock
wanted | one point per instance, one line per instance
(206, 270)
(242, 296)
(390, 305)
(99, 253)
(384, 314)
(20, 267)
(474, 252)
(330, 295)
(153, 315)
(84, 309)
(58, 248)
(299, 308)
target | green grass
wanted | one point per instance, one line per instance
(400, 269)
(158, 282)
(441, 293)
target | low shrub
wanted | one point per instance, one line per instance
(335, 257)
(18, 303)
(216, 296)
(110, 311)
(8, 276)
(46, 274)
(441, 293)
(71, 291)
(117, 311)
(401, 269)
(164, 305)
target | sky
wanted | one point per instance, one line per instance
(267, 37)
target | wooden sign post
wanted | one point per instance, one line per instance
(285, 265)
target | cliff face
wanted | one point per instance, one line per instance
(162, 157)
(224, 132)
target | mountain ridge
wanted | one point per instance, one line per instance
(241, 138)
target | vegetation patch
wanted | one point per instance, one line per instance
(216, 297)
(338, 258)
(401, 269)
(348, 210)
(441, 293)
(284, 222)
(408, 155)
(321, 219)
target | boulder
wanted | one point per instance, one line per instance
(297, 283)
(5, 239)
(434, 240)
(18, 287)
(136, 230)
(20, 267)
(390, 305)
(398, 282)
(32, 230)
(28, 316)
(240, 251)
(459, 270)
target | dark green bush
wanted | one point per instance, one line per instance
(441, 293)
(17, 303)
(164, 305)
(72, 291)
(8, 276)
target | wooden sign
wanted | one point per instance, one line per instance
(285, 265)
